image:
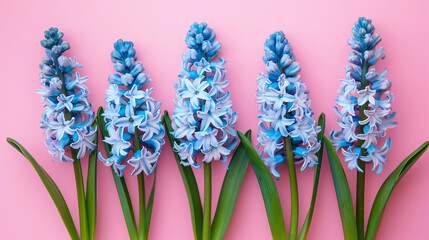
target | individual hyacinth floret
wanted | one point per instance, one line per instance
(285, 108)
(203, 119)
(131, 111)
(365, 102)
(68, 116)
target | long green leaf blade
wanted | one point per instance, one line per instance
(189, 182)
(121, 186)
(386, 190)
(52, 188)
(268, 190)
(229, 191)
(342, 190)
(148, 215)
(306, 226)
(91, 185)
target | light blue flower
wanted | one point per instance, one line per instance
(217, 82)
(64, 102)
(77, 83)
(374, 117)
(352, 156)
(116, 139)
(357, 91)
(131, 111)
(366, 95)
(211, 116)
(203, 66)
(68, 115)
(278, 120)
(378, 156)
(144, 160)
(203, 119)
(133, 94)
(218, 152)
(82, 140)
(206, 139)
(348, 103)
(61, 126)
(114, 94)
(278, 97)
(186, 153)
(114, 161)
(369, 136)
(285, 108)
(130, 120)
(196, 91)
(56, 149)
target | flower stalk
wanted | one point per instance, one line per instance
(364, 115)
(293, 231)
(204, 125)
(286, 128)
(83, 216)
(207, 214)
(133, 123)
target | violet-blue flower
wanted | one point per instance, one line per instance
(131, 111)
(203, 119)
(68, 115)
(285, 108)
(365, 102)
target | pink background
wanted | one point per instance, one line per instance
(318, 31)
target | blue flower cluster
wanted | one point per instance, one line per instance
(203, 119)
(68, 116)
(364, 89)
(131, 111)
(285, 108)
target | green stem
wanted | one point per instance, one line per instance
(83, 218)
(293, 190)
(142, 205)
(207, 200)
(360, 177)
(360, 199)
(141, 186)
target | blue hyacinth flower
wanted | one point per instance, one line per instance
(131, 111)
(203, 119)
(68, 116)
(364, 88)
(285, 109)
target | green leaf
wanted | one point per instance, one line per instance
(229, 191)
(52, 188)
(268, 190)
(121, 186)
(149, 208)
(342, 190)
(91, 185)
(386, 190)
(319, 154)
(189, 182)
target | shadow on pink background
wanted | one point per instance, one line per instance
(318, 32)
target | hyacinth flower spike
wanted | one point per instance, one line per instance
(202, 128)
(286, 132)
(131, 122)
(364, 115)
(68, 126)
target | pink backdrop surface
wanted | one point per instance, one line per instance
(318, 32)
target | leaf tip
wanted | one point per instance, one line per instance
(100, 111)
